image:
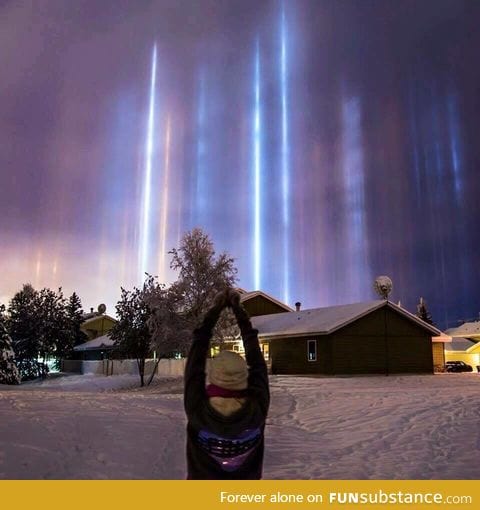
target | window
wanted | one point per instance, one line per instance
(214, 351)
(238, 348)
(312, 350)
(265, 351)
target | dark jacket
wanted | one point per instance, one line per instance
(218, 446)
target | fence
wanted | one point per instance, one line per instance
(170, 367)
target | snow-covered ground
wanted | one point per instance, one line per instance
(397, 427)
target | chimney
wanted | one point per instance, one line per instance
(297, 306)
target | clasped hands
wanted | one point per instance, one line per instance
(227, 298)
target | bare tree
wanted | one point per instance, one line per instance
(201, 274)
(168, 327)
(131, 333)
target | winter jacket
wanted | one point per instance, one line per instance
(225, 447)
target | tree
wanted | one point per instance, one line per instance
(423, 313)
(131, 333)
(9, 373)
(74, 315)
(53, 335)
(42, 324)
(201, 274)
(168, 328)
(23, 325)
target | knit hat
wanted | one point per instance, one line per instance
(228, 370)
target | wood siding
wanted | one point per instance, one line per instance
(383, 342)
(438, 355)
(289, 356)
(259, 305)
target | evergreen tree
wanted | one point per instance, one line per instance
(40, 328)
(67, 330)
(74, 313)
(23, 325)
(423, 313)
(53, 333)
(9, 373)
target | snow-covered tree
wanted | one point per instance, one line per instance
(131, 333)
(42, 325)
(74, 313)
(53, 334)
(383, 286)
(169, 329)
(423, 312)
(9, 373)
(201, 274)
(166, 323)
(24, 324)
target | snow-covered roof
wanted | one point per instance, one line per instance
(96, 318)
(466, 330)
(323, 321)
(244, 296)
(460, 344)
(97, 343)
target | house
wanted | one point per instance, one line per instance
(376, 337)
(469, 330)
(465, 344)
(464, 349)
(96, 326)
(260, 303)
(256, 303)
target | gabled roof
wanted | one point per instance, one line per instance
(95, 318)
(461, 344)
(245, 296)
(466, 330)
(97, 343)
(323, 321)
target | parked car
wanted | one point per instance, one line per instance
(457, 366)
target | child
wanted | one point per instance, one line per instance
(226, 419)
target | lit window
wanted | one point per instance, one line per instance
(265, 351)
(312, 350)
(214, 351)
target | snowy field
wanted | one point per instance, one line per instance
(398, 427)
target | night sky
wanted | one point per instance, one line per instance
(321, 143)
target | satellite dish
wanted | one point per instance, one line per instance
(383, 286)
(101, 309)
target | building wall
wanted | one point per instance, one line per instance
(97, 327)
(290, 356)
(382, 342)
(258, 305)
(472, 359)
(357, 354)
(438, 355)
(166, 367)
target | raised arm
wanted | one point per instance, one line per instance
(194, 378)
(257, 373)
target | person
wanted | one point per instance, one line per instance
(226, 418)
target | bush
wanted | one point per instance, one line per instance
(32, 369)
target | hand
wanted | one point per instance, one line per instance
(220, 299)
(233, 298)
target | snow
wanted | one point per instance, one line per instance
(327, 319)
(96, 427)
